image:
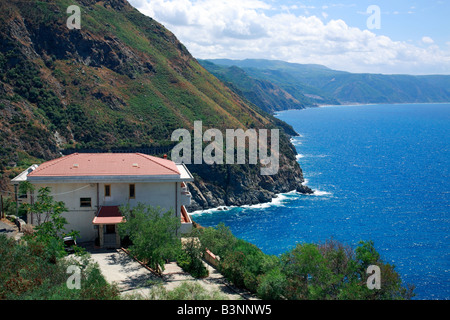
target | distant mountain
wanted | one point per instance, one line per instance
(326, 86)
(121, 81)
(262, 93)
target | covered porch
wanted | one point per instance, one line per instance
(108, 217)
(106, 221)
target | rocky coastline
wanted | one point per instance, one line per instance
(237, 185)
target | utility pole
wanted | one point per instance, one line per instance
(17, 200)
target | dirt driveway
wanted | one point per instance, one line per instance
(132, 277)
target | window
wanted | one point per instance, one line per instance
(107, 190)
(85, 202)
(132, 191)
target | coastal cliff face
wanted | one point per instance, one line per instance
(121, 81)
(235, 187)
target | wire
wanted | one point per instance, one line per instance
(51, 194)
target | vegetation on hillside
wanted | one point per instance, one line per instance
(28, 273)
(151, 236)
(37, 267)
(328, 271)
(261, 93)
(121, 81)
(320, 85)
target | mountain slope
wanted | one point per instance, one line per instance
(262, 93)
(122, 80)
(326, 86)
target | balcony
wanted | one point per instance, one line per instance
(185, 195)
(186, 222)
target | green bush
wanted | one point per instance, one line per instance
(328, 271)
(272, 285)
(190, 259)
(29, 272)
(185, 291)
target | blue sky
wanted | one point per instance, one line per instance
(413, 37)
(402, 20)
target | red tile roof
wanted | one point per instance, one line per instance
(106, 164)
(108, 215)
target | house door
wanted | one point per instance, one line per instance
(109, 236)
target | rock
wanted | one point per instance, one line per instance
(236, 185)
(304, 189)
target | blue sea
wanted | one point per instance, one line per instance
(381, 173)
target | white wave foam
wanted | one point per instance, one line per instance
(296, 140)
(277, 201)
(299, 156)
(321, 193)
(257, 206)
(212, 210)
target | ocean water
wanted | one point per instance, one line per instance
(381, 173)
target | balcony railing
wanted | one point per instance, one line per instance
(185, 195)
(185, 218)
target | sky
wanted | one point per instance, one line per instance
(374, 36)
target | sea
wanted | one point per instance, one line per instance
(380, 173)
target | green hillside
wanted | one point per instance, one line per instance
(326, 86)
(122, 81)
(263, 93)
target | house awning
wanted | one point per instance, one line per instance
(108, 215)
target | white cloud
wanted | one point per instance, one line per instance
(427, 40)
(239, 29)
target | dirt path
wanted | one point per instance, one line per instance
(9, 229)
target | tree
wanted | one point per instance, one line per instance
(391, 287)
(50, 228)
(326, 271)
(334, 271)
(152, 233)
(28, 274)
(272, 284)
(219, 240)
(25, 186)
(48, 213)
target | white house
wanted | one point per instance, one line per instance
(94, 185)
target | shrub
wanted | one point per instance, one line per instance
(28, 273)
(219, 240)
(272, 285)
(185, 291)
(190, 259)
(327, 271)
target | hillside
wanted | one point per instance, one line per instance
(263, 93)
(122, 81)
(326, 86)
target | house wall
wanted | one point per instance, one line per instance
(78, 218)
(166, 195)
(160, 194)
